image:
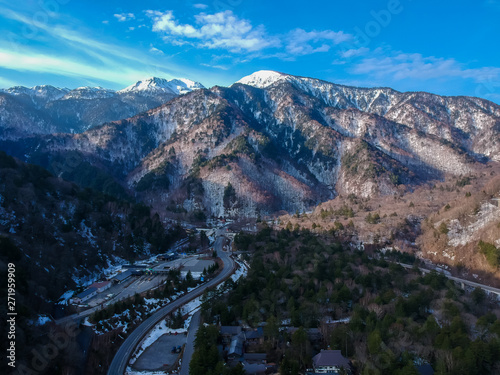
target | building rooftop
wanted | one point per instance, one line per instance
(425, 369)
(230, 330)
(255, 357)
(254, 368)
(330, 358)
(257, 334)
(236, 347)
(122, 276)
(86, 292)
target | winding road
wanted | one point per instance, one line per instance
(120, 361)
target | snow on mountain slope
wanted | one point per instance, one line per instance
(288, 145)
(80, 109)
(38, 94)
(87, 92)
(155, 85)
(263, 78)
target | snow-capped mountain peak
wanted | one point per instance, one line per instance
(155, 85)
(263, 78)
(42, 92)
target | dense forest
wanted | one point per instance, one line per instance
(58, 235)
(394, 319)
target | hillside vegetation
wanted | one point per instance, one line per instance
(60, 236)
(397, 318)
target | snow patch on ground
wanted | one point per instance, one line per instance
(189, 308)
(149, 301)
(241, 271)
(159, 330)
(63, 300)
(42, 319)
(459, 235)
(87, 323)
(86, 232)
(129, 371)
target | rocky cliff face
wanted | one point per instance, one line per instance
(274, 141)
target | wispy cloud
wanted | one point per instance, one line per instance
(122, 17)
(416, 66)
(200, 6)
(353, 52)
(301, 42)
(221, 30)
(78, 54)
(42, 63)
(221, 67)
(156, 51)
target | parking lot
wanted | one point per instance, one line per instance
(193, 264)
(159, 355)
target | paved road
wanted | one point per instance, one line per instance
(189, 348)
(120, 361)
(473, 284)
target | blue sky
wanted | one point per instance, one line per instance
(444, 47)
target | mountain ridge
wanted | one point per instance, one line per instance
(301, 135)
(63, 110)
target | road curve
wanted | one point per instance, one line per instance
(120, 361)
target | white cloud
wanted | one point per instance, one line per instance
(71, 38)
(200, 6)
(221, 67)
(415, 66)
(165, 22)
(301, 42)
(122, 17)
(80, 55)
(105, 22)
(155, 50)
(354, 52)
(32, 61)
(221, 30)
(224, 30)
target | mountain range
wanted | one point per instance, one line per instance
(47, 109)
(269, 142)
